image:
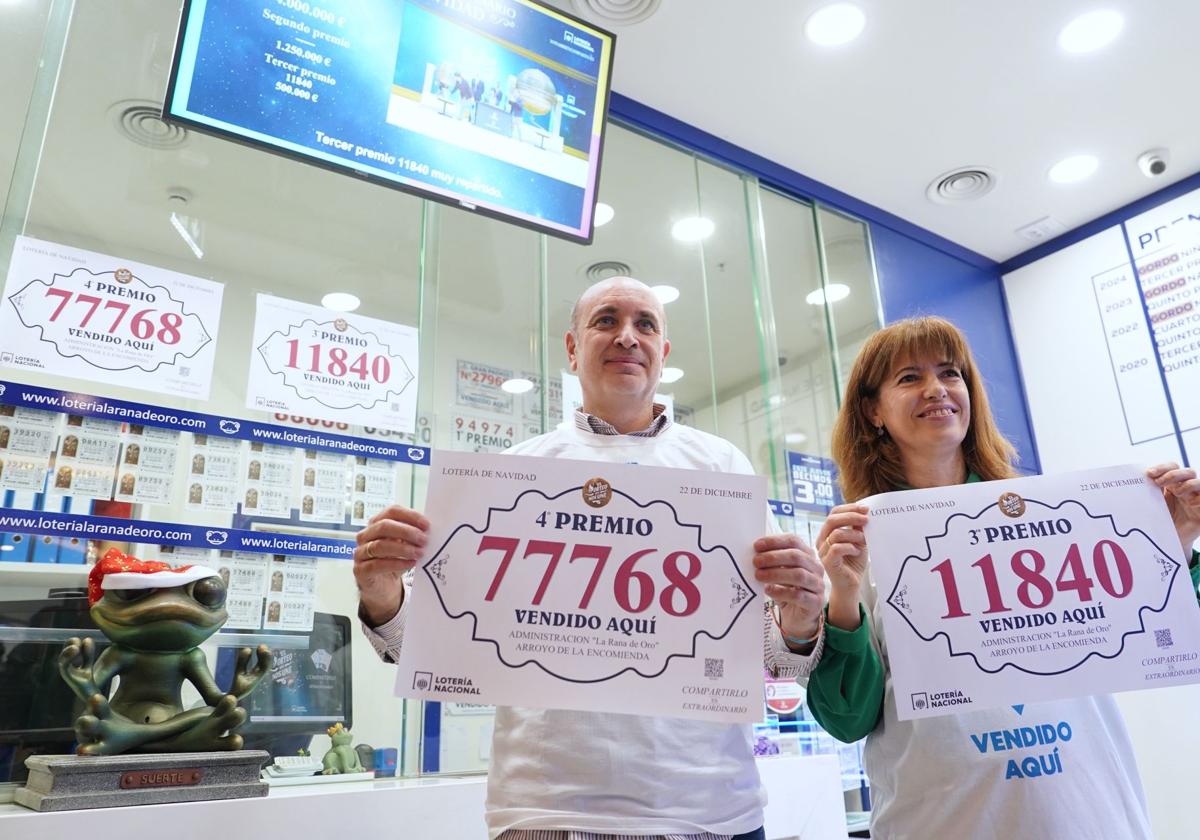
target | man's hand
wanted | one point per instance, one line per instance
(391, 543)
(843, 549)
(1181, 490)
(794, 580)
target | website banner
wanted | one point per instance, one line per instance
(87, 405)
(170, 533)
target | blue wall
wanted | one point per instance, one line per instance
(917, 279)
(920, 273)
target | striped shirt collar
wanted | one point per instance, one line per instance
(591, 423)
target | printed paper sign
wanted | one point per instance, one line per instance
(27, 437)
(1008, 592)
(77, 313)
(334, 366)
(581, 585)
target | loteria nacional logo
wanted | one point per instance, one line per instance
(340, 325)
(123, 275)
(597, 492)
(1011, 505)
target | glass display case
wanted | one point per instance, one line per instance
(767, 299)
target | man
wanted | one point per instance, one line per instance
(566, 775)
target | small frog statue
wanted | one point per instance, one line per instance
(341, 757)
(156, 617)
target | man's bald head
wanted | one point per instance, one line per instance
(594, 291)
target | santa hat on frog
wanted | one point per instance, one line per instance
(122, 571)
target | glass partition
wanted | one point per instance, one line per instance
(758, 343)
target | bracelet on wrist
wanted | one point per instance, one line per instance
(792, 640)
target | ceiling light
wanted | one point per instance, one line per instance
(670, 375)
(665, 294)
(341, 301)
(516, 386)
(1089, 32)
(795, 438)
(835, 25)
(604, 214)
(188, 229)
(832, 293)
(8, 548)
(1073, 169)
(692, 229)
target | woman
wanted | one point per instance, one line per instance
(915, 415)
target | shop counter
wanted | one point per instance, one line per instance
(805, 796)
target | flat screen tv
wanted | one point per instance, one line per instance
(497, 106)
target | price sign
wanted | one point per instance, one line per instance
(78, 313)
(572, 584)
(333, 366)
(1010, 592)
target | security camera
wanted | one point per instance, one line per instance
(1154, 162)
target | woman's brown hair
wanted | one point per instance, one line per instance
(869, 462)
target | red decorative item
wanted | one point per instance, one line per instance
(113, 561)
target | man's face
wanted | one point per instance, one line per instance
(618, 346)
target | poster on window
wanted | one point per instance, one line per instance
(70, 312)
(339, 366)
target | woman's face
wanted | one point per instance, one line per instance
(924, 405)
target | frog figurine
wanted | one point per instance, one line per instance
(341, 757)
(155, 617)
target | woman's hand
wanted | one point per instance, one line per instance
(1181, 490)
(842, 547)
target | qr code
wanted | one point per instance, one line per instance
(1163, 638)
(395, 406)
(714, 669)
(185, 371)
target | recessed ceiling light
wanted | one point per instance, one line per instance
(1090, 32)
(340, 302)
(604, 214)
(1073, 169)
(665, 294)
(831, 293)
(670, 375)
(795, 438)
(516, 386)
(692, 229)
(835, 25)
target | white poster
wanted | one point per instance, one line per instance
(568, 584)
(1008, 592)
(71, 312)
(336, 366)
(146, 472)
(215, 474)
(87, 457)
(27, 437)
(271, 472)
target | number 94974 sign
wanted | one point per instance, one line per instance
(1008, 592)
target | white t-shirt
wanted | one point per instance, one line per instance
(1049, 771)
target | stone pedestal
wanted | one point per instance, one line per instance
(69, 782)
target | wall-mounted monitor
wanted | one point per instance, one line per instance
(497, 106)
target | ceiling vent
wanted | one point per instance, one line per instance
(617, 12)
(965, 184)
(140, 120)
(605, 269)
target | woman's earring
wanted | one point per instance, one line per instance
(880, 431)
